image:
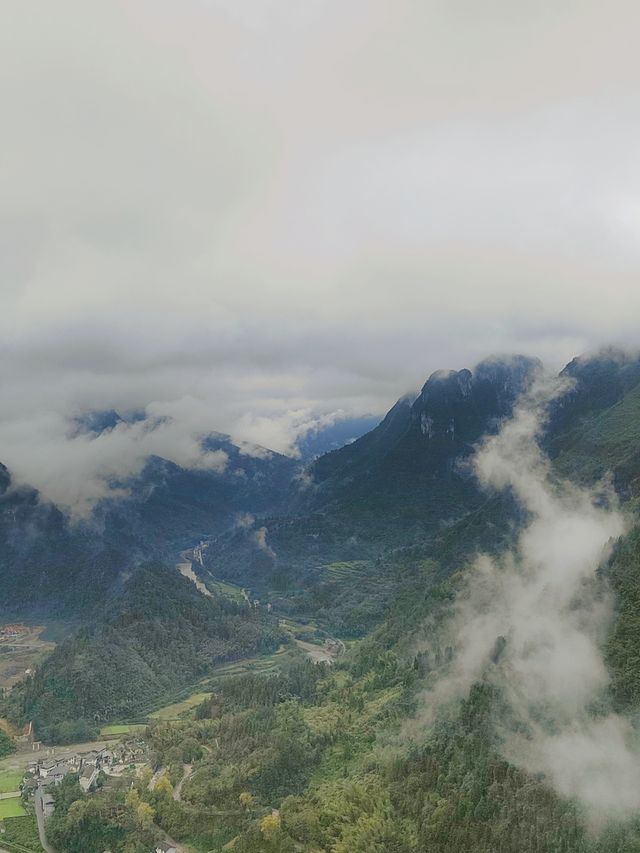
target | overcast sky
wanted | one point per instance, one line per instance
(241, 213)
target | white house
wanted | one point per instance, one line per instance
(46, 766)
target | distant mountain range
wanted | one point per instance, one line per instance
(284, 529)
(400, 484)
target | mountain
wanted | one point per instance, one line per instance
(160, 635)
(594, 429)
(68, 568)
(347, 759)
(432, 431)
(401, 484)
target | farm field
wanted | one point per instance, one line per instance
(260, 664)
(116, 729)
(10, 780)
(173, 711)
(224, 588)
(11, 808)
(121, 729)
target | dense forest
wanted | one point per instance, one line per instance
(314, 758)
(158, 636)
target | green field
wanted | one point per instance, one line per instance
(117, 729)
(224, 588)
(11, 808)
(346, 571)
(10, 780)
(172, 712)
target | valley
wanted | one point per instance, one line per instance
(276, 658)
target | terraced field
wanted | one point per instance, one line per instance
(260, 664)
(346, 572)
(177, 709)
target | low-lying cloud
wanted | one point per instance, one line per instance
(77, 470)
(198, 210)
(533, 621)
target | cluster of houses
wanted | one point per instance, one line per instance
(113, 762)
(51, 771)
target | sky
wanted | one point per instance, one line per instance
(241, 215)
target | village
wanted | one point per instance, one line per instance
(122, 757)
(35, 771)
(129, 756)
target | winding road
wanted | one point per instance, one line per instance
(40, 819)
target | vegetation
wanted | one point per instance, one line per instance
(7, 745)
(280, 755)
(109, 820)
(21, 834)
(10, 780)
(11, 808)
(144, 652)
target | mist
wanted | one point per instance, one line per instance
(204, 218)
(533, 622)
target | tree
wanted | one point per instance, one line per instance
(164, 788)
(246, 800)
(145, 814)
(270, 826)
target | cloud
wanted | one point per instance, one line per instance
(77, 470)
(201, 216)
(260, 538)
(534, 620)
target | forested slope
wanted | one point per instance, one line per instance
(159, 635)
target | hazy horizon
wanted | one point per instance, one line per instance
(248, 216)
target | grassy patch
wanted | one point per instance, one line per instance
(10, 780)
(118, 729)
(223, 588)
(11, 808)
(172, 712)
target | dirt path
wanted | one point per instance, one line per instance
(186, 774)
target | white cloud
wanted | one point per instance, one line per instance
(273, 208)
(552, 611)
